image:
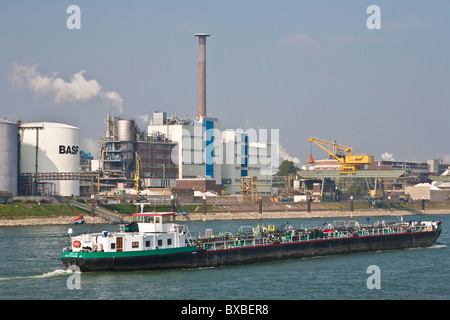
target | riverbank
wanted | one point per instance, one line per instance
(305, 215)
(223, 216)
(40, 221)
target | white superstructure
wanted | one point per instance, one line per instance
(156, 230)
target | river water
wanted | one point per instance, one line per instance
(30, 268)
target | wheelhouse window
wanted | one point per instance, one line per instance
(145, 219)
(149, 219)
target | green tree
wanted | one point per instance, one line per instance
(286, 167)
(357, 187)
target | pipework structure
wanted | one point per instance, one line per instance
(117, 152)
(127, 151)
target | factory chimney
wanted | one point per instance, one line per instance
(201, 91)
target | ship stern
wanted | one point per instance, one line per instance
(72, 259)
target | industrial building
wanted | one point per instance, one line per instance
(193, 138)
(127, 153)
(427, 192)
(156, 166)
(117, 150)
(243, 159)
(417, 169)
(204, 151)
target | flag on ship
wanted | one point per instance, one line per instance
(79, 220)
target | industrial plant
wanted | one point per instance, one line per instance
(180, 156)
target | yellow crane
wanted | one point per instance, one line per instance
(350, 162)
(136, 174)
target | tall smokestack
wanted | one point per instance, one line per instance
(201, 91)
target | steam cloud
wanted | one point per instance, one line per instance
(387, 156)
(145, 118)
(285, 156)
(78, 89)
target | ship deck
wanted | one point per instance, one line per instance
(263, 238)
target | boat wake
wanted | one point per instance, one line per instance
(438, 245)
(54, 273)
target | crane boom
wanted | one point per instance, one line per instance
(334, 144)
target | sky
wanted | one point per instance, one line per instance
(306, 68)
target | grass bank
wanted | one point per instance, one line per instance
(33, 210)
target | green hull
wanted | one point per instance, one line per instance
(140, 253)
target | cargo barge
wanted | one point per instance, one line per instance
(156, 241)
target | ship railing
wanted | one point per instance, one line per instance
(336, 234)
(235, 243)
(381, 231)
(422, 228)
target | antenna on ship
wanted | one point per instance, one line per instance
(69, 232)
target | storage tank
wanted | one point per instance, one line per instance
(8, 156)
(125, 130)
(51, 148)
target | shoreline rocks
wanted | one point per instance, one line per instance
(48, 221)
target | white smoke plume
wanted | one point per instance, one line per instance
(78, 89)
(285, 156)
(90, 145)
(446, 159)
(387, 156)
(145, 118)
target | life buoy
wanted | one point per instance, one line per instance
(180, 229)
(76, 244)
